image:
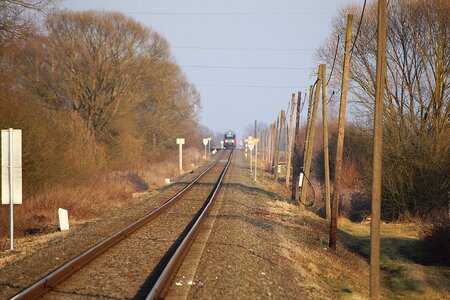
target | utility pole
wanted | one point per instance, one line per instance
(309, 149)
(289, 149)
(280, 133)
(340, 140)
(305, 144)
(323, 76)
(296, 161)
(275, 145)
(377, 154)
(254, 131)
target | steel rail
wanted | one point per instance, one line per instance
(162, 285)
(49, 281)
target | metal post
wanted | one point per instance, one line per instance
(256, 159)
(251, 160)
(181, 158)
(340, 140)
(377, 154)
(205, 152)
(325, 143)
(11, 194)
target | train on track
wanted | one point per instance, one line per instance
(229, 140)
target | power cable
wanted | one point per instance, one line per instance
(359, 28)
(245, 67)
(250, 86)
(241, 49)
(334, 60)
(166, 13)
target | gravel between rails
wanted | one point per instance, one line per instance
(130, 268)
(25, 266)
(241, 253)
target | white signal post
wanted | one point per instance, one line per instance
(11, 141)
(205, 142)
(180, 142)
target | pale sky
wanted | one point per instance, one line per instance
(245, 57)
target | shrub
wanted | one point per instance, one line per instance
(436, 240)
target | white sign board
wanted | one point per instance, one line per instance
(16, 156)
(251, 146)
(180, 141)
(205, 141)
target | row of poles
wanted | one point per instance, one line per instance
(279, 132)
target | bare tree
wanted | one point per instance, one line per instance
(417, 94)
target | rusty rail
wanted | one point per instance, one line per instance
(162, 285)
(49, 281)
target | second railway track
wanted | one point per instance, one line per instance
(140, 260)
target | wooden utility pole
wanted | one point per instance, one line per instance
(296, 155)
(275, 144)
(377, 154)
(323, 77)
(290, 138)
(340, 140)
(310, 148)
(308, 125)
(280, 133)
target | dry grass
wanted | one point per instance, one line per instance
(409, 270)
(38, 214)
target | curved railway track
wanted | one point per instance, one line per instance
(184, 213)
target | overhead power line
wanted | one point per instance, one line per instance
(242, 49)
(245, 67)
(250, 86)
(166, 13)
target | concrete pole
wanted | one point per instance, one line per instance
(340, 140)
(289, 148)
(296, 160)
(377, 154)
(323, 77)
(280, 133)
(275, 145)
(309, 150)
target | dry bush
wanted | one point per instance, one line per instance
(156, 171)
(436, 240)
(39, 213)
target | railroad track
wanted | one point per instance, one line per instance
(157, 242)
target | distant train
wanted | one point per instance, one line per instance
(229, 140)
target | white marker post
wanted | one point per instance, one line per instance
(205, 142)
(11, 173)
(180, 142)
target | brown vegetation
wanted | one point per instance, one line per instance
(97, 93)
(416, 152)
